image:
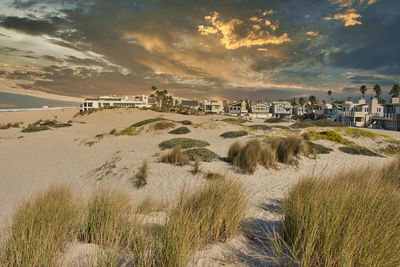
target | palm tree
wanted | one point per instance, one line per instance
(377, 90)
(312, 99)
(154, 88)
(293, 102)
(330, 93)
(302, 101)
(363, 90)
(395, 90)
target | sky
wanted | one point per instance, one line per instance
(235, 49)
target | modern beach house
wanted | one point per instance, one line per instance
(238, 108)
(212, 106)
(112, 101)
(281, 109)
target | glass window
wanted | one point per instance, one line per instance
(216, 107)
(90, 104)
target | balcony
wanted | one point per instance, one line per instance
(386, 116)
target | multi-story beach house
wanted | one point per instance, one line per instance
(193, 104)
(260, 110)
(238, 108)
(359, 114)
(299, 110)
(212, 106)
(281, 109)
(114, 101)
(389, 119)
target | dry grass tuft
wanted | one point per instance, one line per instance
(175, 157)
(141, 176)
(351, 219)
(40, 229)
(197, 162)
(289, 149)
(248, 157)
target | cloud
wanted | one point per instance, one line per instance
(34, 27)
(350, 18)
(236, 33)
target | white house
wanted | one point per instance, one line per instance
(212, 106)
(359, 114)
(113, 101)
(282, 109)
(260, 110)
(389, 118)
(299, 110)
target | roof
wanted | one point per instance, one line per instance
(189, 103)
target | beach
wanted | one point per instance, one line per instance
(86, 157)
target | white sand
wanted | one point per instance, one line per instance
(30, 162)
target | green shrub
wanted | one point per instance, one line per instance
(328, 135)
(203, 153)
(233, 134)
(33, 128)
(317, 123)
(185, 122)
(175, 157)
(350, 219)
(41, 228)
(180, 130)
(276, 120)
(357, 133)
(261, 127)
(183, 142)
(358, 151)
(148, 121)
(162, 125)
(130, 131)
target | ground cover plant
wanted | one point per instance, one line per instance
(233, 134)
(183, 142)
(349, 219)
(130, 131)
(332, 136)
(318, 149)
(148, 121)
(276, 120)
(34, 128)
(355, 150)
(235, 121)
(203, 153)
(185, 122)
(261, 127)
(180, 130)
(163, 125)
(316, 123)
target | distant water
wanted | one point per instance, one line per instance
(15, 102)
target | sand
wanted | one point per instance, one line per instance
(30, 162)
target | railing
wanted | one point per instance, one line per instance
(386, 116)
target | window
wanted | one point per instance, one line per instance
(85, 104)
(208, 107)
(90, 104)
(216, 107)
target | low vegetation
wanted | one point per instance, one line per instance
(316, 123)
(175, 157)
(213, 176)
(91, 143)
(355, 150)
(180, 130)
(390, 150)
(285, 150)
(235, 121)
(130, 131)
(276, 120)
(148, 121)
(361, 133)
(350, 219)
(141, 176)
(203, 153)
(234, 134)
(34, 128)
(318, 149)
(163, 125)
(41, 227)
(327, 135)
(185, 122)
(43, 125)
(183, 142)
(10, 125)
(196, 167)
(259, 127)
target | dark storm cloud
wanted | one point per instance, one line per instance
(134, 44)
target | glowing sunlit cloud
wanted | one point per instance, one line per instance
(313, 34)
(350, 18)
(255, 36)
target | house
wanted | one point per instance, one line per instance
(299, 110)
(359, 114)
(190, 104)
(212, 106)
(387, 116)
(239, 108)
(112, 101)
(322, 111)
(281, 109)
(260, 110)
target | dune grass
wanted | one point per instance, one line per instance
(130, 131)
(350, 219)
(203, 153)
(332, 136)
(175, 157)
(197, 163)
(355, 150)
(185, 122)
(10, 125)
(163, 125)
(183, 142)
(141, 176)
(234, 134)
(91, 143)
(316, 123)
(40, 229)
(390, 150)
(148, 121)
(180, 130)
(34, 128)
(235, 121)
(42, 226)
(289, 149)
(276, 120)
